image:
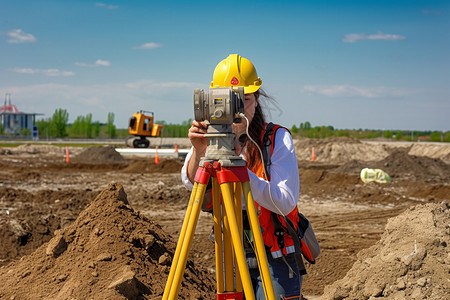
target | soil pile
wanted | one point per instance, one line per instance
(29, 219)
(399, 164)
(149, 166)
(42, 153)
(36, 150)
(409, 262)
(446, 158)
(109, 252)
(338, 150)
(435, 150)
(99, 155)
(419, 167)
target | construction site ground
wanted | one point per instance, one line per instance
(105, 227)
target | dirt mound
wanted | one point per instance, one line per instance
(31, 218)
(409, 262)
(338, 150)
(99, 155)
(401, 165)
(149, 166)
(446, 158)
(42, 153)
(109, 252)
(38, 149)
(435, 150)
(325, 141)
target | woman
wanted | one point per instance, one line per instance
(282, 195)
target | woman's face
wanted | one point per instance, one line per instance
(251, 102)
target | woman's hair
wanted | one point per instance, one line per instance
(255, 129)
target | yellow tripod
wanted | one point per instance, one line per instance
(230, 179)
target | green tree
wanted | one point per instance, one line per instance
(45, 128)
(77, 128)
(435, 136)
(59, 122)
(345, 132)
(88, 124)
(175, 130)
(447, 137)
(294, 129)
(96, 128)
(110, 128)
(82, 127)
(305, 126)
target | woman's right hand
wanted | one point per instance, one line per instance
(198, 140)
(197, 136)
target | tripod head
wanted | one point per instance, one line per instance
(219, 109)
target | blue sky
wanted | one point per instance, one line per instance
(348, 64)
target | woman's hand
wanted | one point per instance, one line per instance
(197, 136)
(198, 140)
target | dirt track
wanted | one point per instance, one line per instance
(40, 193)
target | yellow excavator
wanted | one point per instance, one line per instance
(141, 126)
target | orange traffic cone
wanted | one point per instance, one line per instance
(313, 158)
(176, 148)
(67, 154)
(156, 156)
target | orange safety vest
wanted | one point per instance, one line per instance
(280, 237)
(277, 239)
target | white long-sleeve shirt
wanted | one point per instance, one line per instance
(284, 177)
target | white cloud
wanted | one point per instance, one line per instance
(103, 63)
(108, 6)
(353, 37)
(341, 91)
(47, 72)
(148, 46)
(98, 63)
(18, 36)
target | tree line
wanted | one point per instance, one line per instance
(57, 126)
(306, 130)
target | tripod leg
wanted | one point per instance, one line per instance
(238, 211)
(236, 238)
(258, 242)
(186, 241)
(218, 235)
(176, 256)
(228, 253)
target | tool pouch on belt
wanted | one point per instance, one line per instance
(303, 237)
(308, 237)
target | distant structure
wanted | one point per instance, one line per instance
(13, 121)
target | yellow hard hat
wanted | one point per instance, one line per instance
(236, 70)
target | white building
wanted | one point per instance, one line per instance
(13, 121)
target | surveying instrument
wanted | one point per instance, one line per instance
(228, 173)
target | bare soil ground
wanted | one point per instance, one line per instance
(107, 226)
